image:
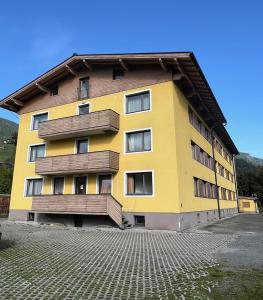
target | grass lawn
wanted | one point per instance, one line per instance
(238, 284)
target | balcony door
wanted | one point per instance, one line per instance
(80, 185)
(105, 184)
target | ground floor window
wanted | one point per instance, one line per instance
(58, 185)
(34, 186)
(246, 204)
(139, 183)
(139, 220)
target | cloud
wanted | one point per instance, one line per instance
(50, 46)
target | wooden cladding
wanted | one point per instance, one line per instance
(90, 162)
(98, 122)
(99, 204)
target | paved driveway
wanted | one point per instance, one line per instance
(246, 251)
(46, 262)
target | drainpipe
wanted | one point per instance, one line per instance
(234, 169)
(217, 191)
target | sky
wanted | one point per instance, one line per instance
(225, 36)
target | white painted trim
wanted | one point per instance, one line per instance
(97, 182)
(76, 142)
(138, 196)
(135, 93)
(52, 184)
(33, 177)
(36, 114)
(29, 148)
(73, 183)
(136, 130)
(82, 104)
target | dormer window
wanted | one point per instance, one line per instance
(54, 91)
(118, 74)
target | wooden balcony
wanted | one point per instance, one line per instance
(99, 122)
(99, 204)
(90, 162)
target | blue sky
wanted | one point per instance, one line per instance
(225, 36)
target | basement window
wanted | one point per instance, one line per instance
(139, 221)
(31, 216)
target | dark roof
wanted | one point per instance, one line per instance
(185, 63)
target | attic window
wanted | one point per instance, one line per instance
(54, 91)
(118, 74)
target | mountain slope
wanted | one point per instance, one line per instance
(7, 129)
(250, 159)
(7, 149)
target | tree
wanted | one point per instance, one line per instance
(6, 176)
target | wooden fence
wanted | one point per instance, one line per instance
(4, 204)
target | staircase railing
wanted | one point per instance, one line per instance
(114, 210)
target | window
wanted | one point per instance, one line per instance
(199, 126)
(139, 221)
(37, 119)
(82, 146)
(58, 185)
(36, 151)
(246, 204)
(34, 187)
(54, 91)
(83, 109)
(204, 189)
(223, 194)
(118, 74)
(31, 217)
(139, 183)
(138, 102)
(201, 156)
(138, 141)
(84, 88)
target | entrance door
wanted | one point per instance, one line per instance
(104, 184)
(80, 185)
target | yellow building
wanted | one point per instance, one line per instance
(137, 139)
(247, 204)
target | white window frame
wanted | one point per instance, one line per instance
(29, 151)
(138, 196)
(36, 114)
(73, 183)
(133, 131)
(34, 177)
(52, 185)
(97, 182)
(135, 93)
(76, 144)
(82, 104)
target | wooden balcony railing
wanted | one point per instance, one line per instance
(90, 162)
(90, 204)
(99, 122)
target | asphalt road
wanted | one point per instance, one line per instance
(246, 251)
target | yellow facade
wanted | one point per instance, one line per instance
(247, 205)
(170, 159)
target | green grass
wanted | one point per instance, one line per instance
(234, 284)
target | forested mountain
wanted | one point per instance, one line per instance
(8, 136)
(249, 175)
(7, 129)
(8, 132)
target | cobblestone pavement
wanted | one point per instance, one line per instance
(47, 262)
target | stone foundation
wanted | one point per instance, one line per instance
(159, 221)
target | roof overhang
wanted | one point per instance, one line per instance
(186, 73)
